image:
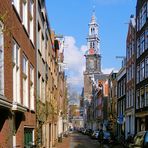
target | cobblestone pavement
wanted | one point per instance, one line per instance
(77, 140)
(65, 143)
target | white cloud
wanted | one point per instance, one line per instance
(108, 70)
(74, 57)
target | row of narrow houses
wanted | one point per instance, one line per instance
(123, 108)
(33, 89)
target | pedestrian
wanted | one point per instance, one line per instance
(101, 136)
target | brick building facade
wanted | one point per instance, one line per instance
(18, 73)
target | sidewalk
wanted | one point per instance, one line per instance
(65, 143)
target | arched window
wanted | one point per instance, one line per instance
(90, 44)
(1, 59)
(92, 31)
(93, 45)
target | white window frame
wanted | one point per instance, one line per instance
(16, 72)
(31, 20)
(25, 13)
(16, 3)
(1, 59)
(32, 88)
(25, 81)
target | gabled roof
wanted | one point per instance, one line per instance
(101, 76)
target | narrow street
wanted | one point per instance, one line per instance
(82, 141)
(77, 140)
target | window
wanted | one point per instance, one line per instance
(28, 137)
(146, 39)
(90, 44)
(147, 9)
(142, 43)
(25, 81)
(146, 67)
(1, 60)
(138, 99)
(142, 71)
(39, 86)
(133, 47)
(142, 103)
(25, 13)
(16, 3)
(31, 87)
(93, 45)
(43, 90)
(25, 68)
(133, 71)
(16, 72)
(127, 99)
(93, 31)
(141, 19)
(138, 74)
(132, 99)
(144, 12)
(138, 48)
(138, 23)
(146, 95)
(31, 20)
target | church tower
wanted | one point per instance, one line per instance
(93, 57)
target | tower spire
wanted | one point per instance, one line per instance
(93, 18)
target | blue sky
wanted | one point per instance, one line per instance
(71, 18)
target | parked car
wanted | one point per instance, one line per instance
(140, 140)
(89, 132)
(84, 131)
